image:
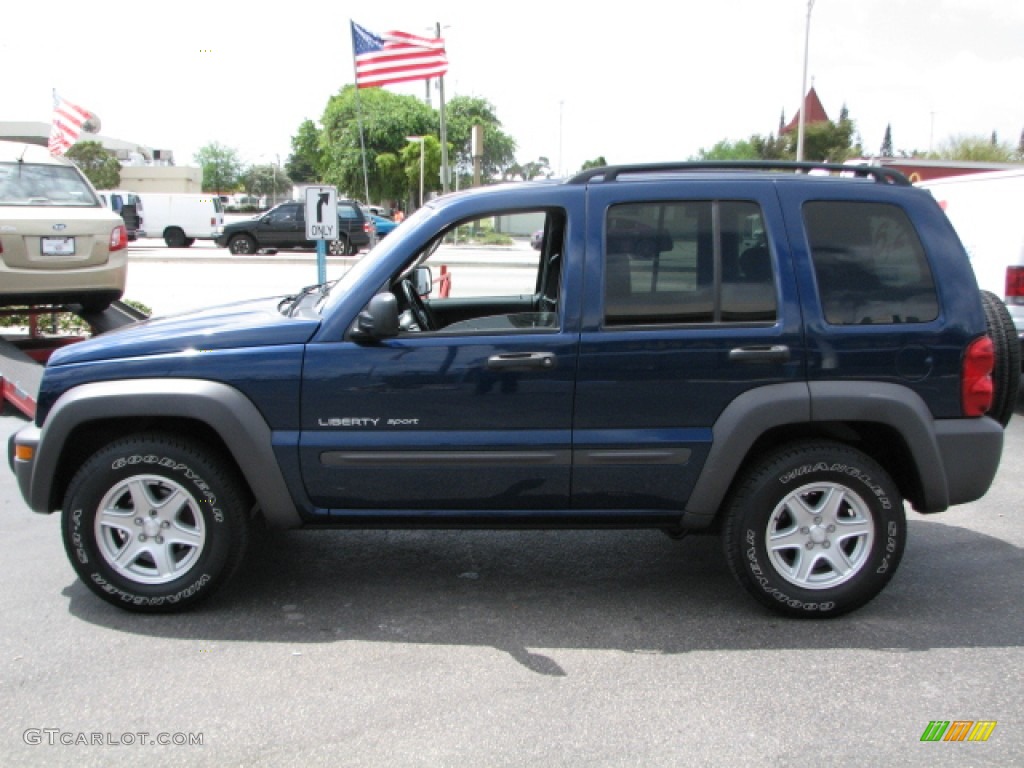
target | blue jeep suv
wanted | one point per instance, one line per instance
(778, 357)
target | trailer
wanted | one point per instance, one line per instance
(23, 355)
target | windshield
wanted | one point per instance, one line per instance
(26, 184)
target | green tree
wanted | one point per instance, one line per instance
(387, 120)
(267, 180)
(973, 148)
(757, 147)
(410, 168)
(461, 114)
(831, 142)
(541, 167)
(886, 150)
(303, 164)
(597, 162)
(222, 170)
(98, 165)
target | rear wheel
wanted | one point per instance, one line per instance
(1006, 372)
(154, 523)
(175, 238)
(338, 247)
(814, 529)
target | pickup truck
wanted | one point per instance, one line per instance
(779, 358)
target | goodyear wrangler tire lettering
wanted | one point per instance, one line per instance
(814, 528)
(154, 522)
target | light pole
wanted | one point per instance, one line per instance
(803, 88)
(421, 142)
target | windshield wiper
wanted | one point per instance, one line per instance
(294, 300)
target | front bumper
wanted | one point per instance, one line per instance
(27, 438)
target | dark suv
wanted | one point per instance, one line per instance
(780, 358)
(284, 227)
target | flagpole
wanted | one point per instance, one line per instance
(359, 115)
(444, 131)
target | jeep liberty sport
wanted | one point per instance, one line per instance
(778, 357)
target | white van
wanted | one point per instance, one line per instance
(128, 206)
(986, 211)
(181, 219)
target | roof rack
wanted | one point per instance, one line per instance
(612, 172)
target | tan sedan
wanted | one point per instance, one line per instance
(58, 244)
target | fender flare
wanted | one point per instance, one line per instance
(759, 410)
(223, 408)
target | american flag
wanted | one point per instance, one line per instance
(396, 57)
(69, 120)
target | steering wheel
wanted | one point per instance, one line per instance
(420, 311)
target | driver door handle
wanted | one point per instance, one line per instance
(521, 361)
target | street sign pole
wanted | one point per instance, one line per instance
(321, 223)
(321, 262)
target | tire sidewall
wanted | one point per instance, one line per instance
(339, 247)
(242, 245)
(121, 462)
(789, 472)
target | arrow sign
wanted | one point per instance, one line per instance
(321, 213)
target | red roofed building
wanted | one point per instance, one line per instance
(815, 113)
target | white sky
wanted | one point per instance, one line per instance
(642, 83)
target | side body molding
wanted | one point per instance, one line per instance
(226, 410)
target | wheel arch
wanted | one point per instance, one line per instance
(94, 414)
(888, 422)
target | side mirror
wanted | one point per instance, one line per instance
(379, 320)
(422, 280)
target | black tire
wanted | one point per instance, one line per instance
(1006, 372)
(242, 244)
(174, 237)
(338, 247)
(189, 242)
(125, 554)
(837, 522)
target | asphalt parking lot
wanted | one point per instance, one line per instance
(507, 648)
(416, 648)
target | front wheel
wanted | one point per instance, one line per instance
(814, 529)
(154, 523)
(242, 244)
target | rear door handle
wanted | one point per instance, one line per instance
(767, 353)
(521, 361)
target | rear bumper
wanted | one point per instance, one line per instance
(970, 451)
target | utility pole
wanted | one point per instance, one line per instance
(803, 88)
(444, 131)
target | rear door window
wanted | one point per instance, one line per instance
(694, 261)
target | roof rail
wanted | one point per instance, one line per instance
(612, 172)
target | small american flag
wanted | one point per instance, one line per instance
(69, 120)
(396, 57)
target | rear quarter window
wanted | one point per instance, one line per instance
(869, 264)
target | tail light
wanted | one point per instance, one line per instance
(1014, 285)
(118, 238)
(369, 227)
(976, 377)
